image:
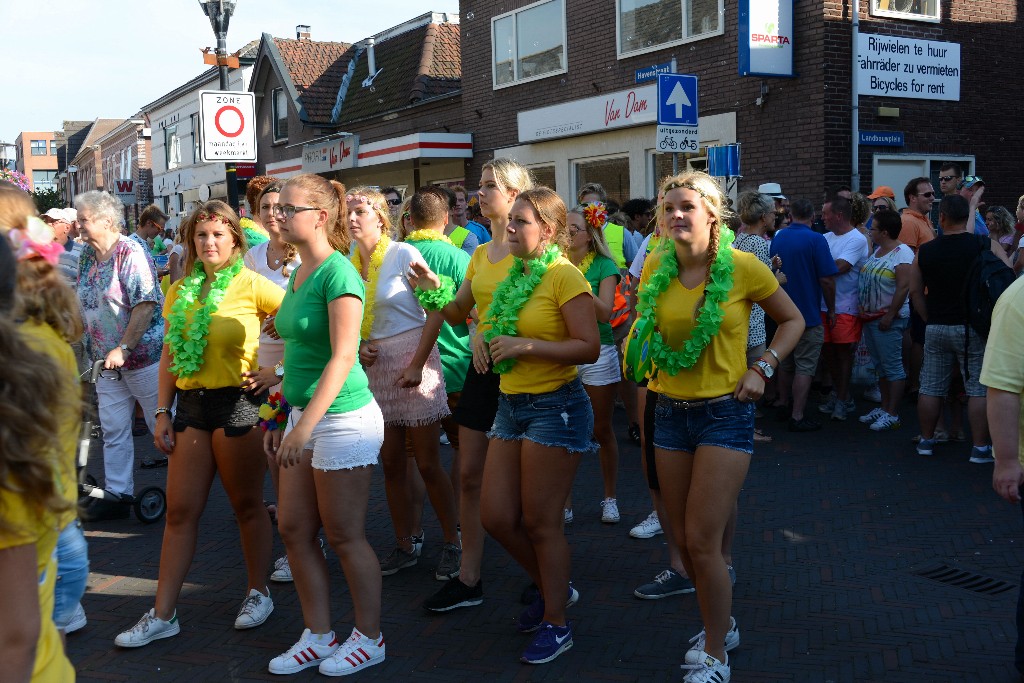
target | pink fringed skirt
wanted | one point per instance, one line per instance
(407, 407)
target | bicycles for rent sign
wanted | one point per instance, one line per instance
(678, 129)
(228, 131)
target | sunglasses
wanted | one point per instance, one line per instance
(947, 178)
(394, 202)
(879, 207)
(926, 194)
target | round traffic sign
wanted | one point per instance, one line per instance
(241, 121)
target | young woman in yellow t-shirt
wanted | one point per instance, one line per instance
(694, 310)
(214, 315)
(541, 324)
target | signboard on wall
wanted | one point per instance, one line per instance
(766, 38)
(330, 155)
(620, 109)
(894, 66)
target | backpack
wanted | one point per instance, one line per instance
(986, 280)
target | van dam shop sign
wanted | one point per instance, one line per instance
(621, 109)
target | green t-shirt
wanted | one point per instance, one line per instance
(452, 342)
(303, 324)
(601, 268)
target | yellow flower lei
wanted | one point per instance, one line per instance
(428, 235)
(373, 276)
(587, 261)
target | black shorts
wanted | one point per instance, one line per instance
(229, 408)
(479, 401)
(648, 427)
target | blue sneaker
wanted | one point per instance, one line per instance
(926, 447)
(531, 618)
(549, 642)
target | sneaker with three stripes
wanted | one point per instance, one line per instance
(308, 652)
(355, 654)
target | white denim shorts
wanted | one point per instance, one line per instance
(343, 441)
(605, 371)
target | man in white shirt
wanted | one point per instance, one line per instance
(850, 249)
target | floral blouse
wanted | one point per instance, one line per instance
(108, 291)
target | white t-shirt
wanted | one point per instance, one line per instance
(641, 254)
(178, 249)
(256, 260)
(852, 248)
(396, 308)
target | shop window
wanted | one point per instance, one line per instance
(39, 148)
(43, 180)
(280, 115)
(647, 25)
(529, 43)
(544, 175)
(611, 172)
(919, 10)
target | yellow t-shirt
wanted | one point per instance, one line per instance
(541, 318)
(44, 339)
(484, 277)
(724, 360)
(234, 335)
(51, 665)
(1003, 367)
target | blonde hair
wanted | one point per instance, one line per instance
(1003, 221)
(714, 201)
(510, 175)
(403, 212)
(597, 241)
(860, 209)
(378, 203)
(15, 208)
(219, 210)
(328, 195)
(550, 210)
(43, 296)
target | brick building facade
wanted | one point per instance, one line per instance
(36, 157)
(127, 156)
(795, 131)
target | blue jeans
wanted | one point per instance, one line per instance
(72, 573)
(562, 418)
(723, 422)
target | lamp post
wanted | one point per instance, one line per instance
(219, 12)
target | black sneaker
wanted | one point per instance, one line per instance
(634, 433)
(804, 424)
(100, 510)
(455, 594)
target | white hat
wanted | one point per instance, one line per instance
(66, 215)
(771, 189)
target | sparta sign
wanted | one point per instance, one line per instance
(228, 131)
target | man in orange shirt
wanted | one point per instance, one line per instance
(917, 228)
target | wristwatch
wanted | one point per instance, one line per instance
(766, 369)
(125, 348)
(279, 370)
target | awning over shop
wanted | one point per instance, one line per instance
(416, 146)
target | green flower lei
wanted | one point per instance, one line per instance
(709, 320)
(511, 295)
(436, 299)
(187, 346)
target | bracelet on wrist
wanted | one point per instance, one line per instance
(437, 299)
(778, 361)
(161, 411)
(274, 413)
(759, 371)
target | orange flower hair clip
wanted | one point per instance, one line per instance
(595, 214)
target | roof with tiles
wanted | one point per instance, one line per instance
(316, 69)
(416, 65)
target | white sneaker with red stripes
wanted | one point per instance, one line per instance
(355, 654)
(309, 651)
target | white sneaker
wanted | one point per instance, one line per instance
(444, 439)
(696, 652)
(872, 416)
(708, 670)
(874, 394)
(254, 611)
(355, 654)
(304, 654)
(610, 511)
(886, 421)
(417, 543)
(649, 528)
(148, 629)
(78, 620)
(282, 571)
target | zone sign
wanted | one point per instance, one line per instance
(228, 133)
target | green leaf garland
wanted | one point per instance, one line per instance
(511, 295)
(709, 320)
(187, 345)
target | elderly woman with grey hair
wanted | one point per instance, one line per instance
(121, 303)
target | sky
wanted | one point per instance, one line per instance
(87, 59)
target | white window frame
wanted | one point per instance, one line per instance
(908, 16)
(172, 147)
(515, 41)
(276, 115)
(685, 164)
(671, 43)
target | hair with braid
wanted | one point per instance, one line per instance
(714, 201)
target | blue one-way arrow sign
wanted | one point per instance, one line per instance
(677, 99)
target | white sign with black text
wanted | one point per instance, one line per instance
(678, 139)
(228, 133)
(894, 66)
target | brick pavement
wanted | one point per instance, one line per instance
(834, 527)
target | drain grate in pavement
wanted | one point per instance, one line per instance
(971, 581)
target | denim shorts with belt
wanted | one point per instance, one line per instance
(723, 422)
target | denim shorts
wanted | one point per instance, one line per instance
(72, 573)
(723, 422)
(562, 418)
(228, 408)
(886, 348)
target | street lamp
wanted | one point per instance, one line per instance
(219, 12)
